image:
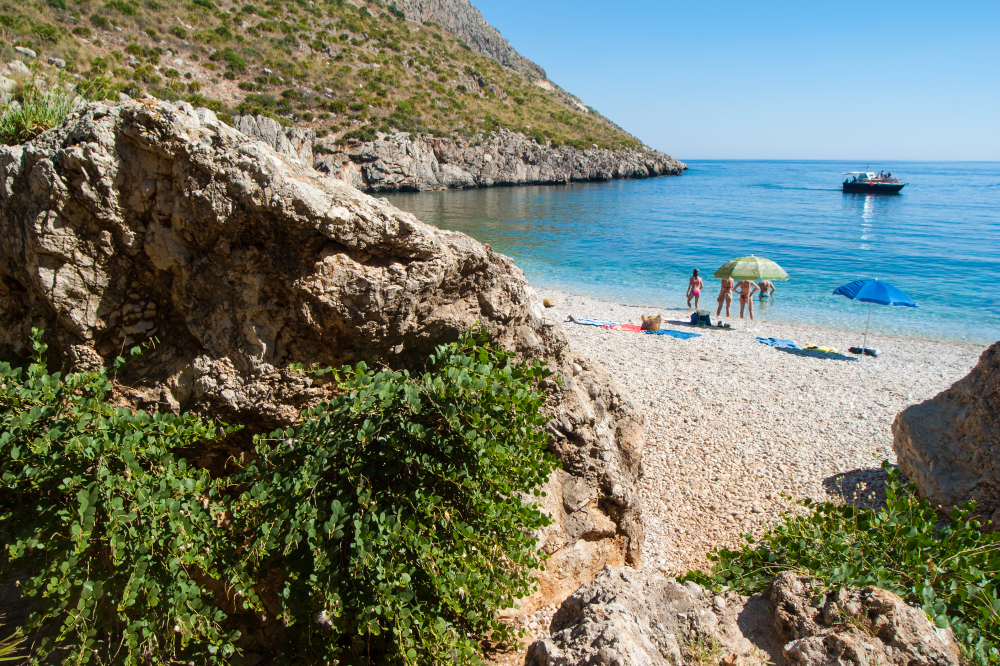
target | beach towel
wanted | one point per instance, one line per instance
(632, 328)
(680, 335)
(826, 350)
(778, 342)
(596, 322)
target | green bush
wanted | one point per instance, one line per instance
(38, 111)
(950, 570)
(360, 134)
(234, 61)
(81, 31)
(396, 512)
(178, 31)
(121, 6)
(392, 524)
(103, 524)
(101, 22)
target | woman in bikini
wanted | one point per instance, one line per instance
(746, 289)
(695, 285)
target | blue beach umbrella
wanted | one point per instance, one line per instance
(874, 291)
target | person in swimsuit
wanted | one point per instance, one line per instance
(725, 294)
(746, 289)
(766, 288)
(695, 285)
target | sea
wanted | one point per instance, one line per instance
(637, 241)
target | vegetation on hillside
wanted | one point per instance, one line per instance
(342, 69)
(389, 526)
(951, 569)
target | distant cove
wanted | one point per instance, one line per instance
(637, 241)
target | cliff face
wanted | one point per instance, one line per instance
(466, 22)
(396, 162)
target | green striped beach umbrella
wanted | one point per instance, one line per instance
(751, 268)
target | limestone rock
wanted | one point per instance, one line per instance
(857, 627)
(632, 618)
(396, 162)
(950, 445)
(147, 220)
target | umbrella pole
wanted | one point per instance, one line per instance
(864, 345)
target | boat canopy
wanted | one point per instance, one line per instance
(870, 175)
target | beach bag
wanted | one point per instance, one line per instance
(651, 323)
(698, 317)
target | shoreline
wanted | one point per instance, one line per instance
(736, 431)
(683, 312)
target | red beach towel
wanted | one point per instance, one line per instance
(632, 328)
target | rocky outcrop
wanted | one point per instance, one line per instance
(631, 618)
(950, 445)
(851, 626)
(396, 162)
(464, 21)
(147, 220)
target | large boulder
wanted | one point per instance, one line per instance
(950, 445)
(631, 618)
(150, 220)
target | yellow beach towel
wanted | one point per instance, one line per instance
(826, 350)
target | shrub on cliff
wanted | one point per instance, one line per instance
(951, 570)
(103, 525)
(36, 111)
(390, 526)
(395, 512)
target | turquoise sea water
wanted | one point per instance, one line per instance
(637, 241)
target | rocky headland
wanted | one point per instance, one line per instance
(398, 161)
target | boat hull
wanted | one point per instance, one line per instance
(873, 188)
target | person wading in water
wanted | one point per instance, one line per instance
(725, 294)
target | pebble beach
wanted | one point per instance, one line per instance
(736, 431)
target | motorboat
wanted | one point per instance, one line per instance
(869, 182)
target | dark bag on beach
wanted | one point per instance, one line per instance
(697, 316)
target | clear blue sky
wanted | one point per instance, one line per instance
(862, 81)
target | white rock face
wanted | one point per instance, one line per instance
(396, 162)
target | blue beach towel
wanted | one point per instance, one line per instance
(596, 322)
(680, 335)
(778, 342)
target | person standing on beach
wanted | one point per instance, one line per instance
(725, 294)
(766, 288)
(695, 285)
(746, 289)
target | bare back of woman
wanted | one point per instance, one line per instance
(725, 295)
(695, 285)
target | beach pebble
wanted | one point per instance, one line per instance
(735, 431)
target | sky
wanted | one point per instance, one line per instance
(862, 81)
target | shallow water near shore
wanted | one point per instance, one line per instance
(637, 241)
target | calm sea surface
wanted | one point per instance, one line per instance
(637, 241)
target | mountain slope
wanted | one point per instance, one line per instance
(348, 72)
(466, 22)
